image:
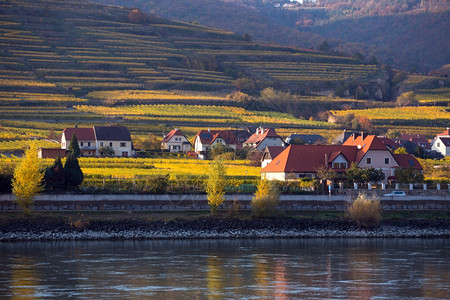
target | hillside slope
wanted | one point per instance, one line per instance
(78, 47)
(410, 35)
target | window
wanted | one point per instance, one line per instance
(339, 165)
(81, 144)
(89, 144)
(386, 160)
(123, 144)
(438, 144)
(369, 161)
(110, 144)
(101, 144)
(124, 154)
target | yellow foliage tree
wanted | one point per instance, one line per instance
(27, 181)
(266, 198)
(215, 185)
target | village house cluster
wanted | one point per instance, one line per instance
(300, 155)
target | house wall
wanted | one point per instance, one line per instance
(270, 141)
(378, 161)
(175, 144)
(265, 162)
(87, 147)
(198, 146)
(274, 176)
(116, 146)
(439, 146)
(340, 159)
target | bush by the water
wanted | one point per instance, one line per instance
(365, 211)
(265, 201)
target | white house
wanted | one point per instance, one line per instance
(205, 139)
(442, 145)
(113, 138)
(263, 138)
(85, 137)
(175, 141)
(373, 154)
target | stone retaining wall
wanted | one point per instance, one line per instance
(131, 202)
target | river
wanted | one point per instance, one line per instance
(227, 269)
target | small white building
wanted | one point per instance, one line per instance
(85, 137)
(114, 138)
(175, 141)
(263, 138)
(442, 145)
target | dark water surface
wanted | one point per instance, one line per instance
(227, 269)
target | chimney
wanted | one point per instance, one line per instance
(362, 135)
(353, 136)
(326, 160)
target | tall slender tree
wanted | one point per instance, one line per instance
(73, 175)
(215, 185)
(27, 181)
(74, 148)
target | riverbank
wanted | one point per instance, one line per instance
(81, 227)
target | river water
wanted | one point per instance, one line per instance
(227, 269)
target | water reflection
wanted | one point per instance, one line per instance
(227, 269)
(24, 278)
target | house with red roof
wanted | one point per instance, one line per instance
(367, 151)
(175, 141)
(96, 140)
(206, 139)
(86, 140)
(417, 139)
(262, 138)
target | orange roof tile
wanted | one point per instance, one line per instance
(308, 158)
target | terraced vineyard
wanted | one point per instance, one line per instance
(84, 47)
(65, 63)
(410, 115)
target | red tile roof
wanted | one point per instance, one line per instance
(209, 136)
(171, 134)
(407, 161)
(365, 143)
(308, 158)
(227, 135)
(206, 136)
(259, 136)
(82, 134)
(389, 143)
(445, 133)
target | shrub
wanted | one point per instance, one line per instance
(266, 198)
(365, 211)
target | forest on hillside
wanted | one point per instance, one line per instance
(409, 34)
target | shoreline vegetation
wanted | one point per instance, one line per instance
(201, 225)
